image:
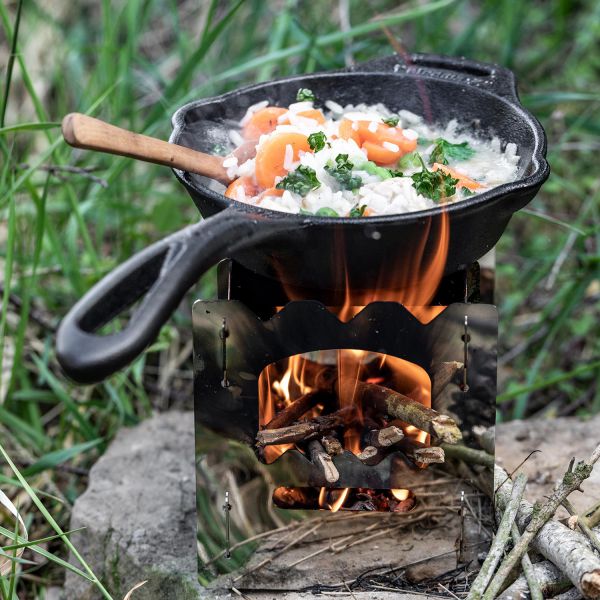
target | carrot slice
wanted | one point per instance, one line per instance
(313, 113)
(463, 180)
(271, 155)
(385, 133)
(346, 131)
(262, 121)
(380, 154)
(245, 183)
(272, 191)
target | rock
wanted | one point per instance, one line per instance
(139, 512)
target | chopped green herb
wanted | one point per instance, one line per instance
(342, 172)
(395, 173)
(301, 181)
(410, 160)
(325, 211)
(357, 211)
(445, 150)
(392, 121)
(435, 185)
(305, 94)
(466, 192)
(317, 140)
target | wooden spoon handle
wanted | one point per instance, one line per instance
(81, 131)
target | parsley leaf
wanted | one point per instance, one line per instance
(305, 94)
(445, 150)
(301, 181)
(435, 185)
(395, 173)
(342, 172)
(317, 140)
(325, 211)
(357, 211)
(466, 192)
(392, 121)
(410, 160)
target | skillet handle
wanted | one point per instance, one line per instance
(494, 78)
(160, 275)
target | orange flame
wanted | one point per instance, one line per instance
(400, 494)
(337, 503)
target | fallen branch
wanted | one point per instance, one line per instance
(371, 455)
(501, 540)
(419, 452)
(442, 375)
(399, 406)
(323, 461)
(550, 579)
(535, 590)
(583, 526)
(567, 549)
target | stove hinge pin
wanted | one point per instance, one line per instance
(224, 334)
(227, 509)
(466, 338)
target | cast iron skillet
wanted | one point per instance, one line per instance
(311, 252)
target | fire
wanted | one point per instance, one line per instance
(400, 494)
(342, 494)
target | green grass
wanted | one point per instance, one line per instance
(132, 63)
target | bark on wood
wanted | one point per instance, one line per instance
(501, 539)
(549, 578)
(426, 455)
(592, 515)
(567, 549)
(296, 409)
(307, 430)
(571, 481)
(402, 407)
(583, 526)
(323, 461)
(371, 455)
(442, 375)
(332, 445)
(384, 438)
(535, 591)
(468, 455)
(572, 594)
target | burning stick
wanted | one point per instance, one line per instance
(371, 455)
(420, 453)
(402, 407)
(442, 375)
(297, 408)
(383, 438)
(332, 445)
(323, 461)
(307, 430)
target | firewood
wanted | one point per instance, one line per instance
(296, 409)
(371, 455)
(549, 578)
(568, 550)
(306, 430)
(468, 455)
(332, 445)
(383, 438)
(428, 455)
(442, 375)
(501, 539)
(323, 461)
(571, 481)
(399, 406)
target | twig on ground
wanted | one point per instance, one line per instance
(501, 539)
(586, 579)
(550, 581)
(527, 566)
(468, 455)
(583, 526)
(592, 515)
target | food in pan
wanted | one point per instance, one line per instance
(358, 161)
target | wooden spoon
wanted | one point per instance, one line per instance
(81, 131)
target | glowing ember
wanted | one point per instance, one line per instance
(400, 494)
